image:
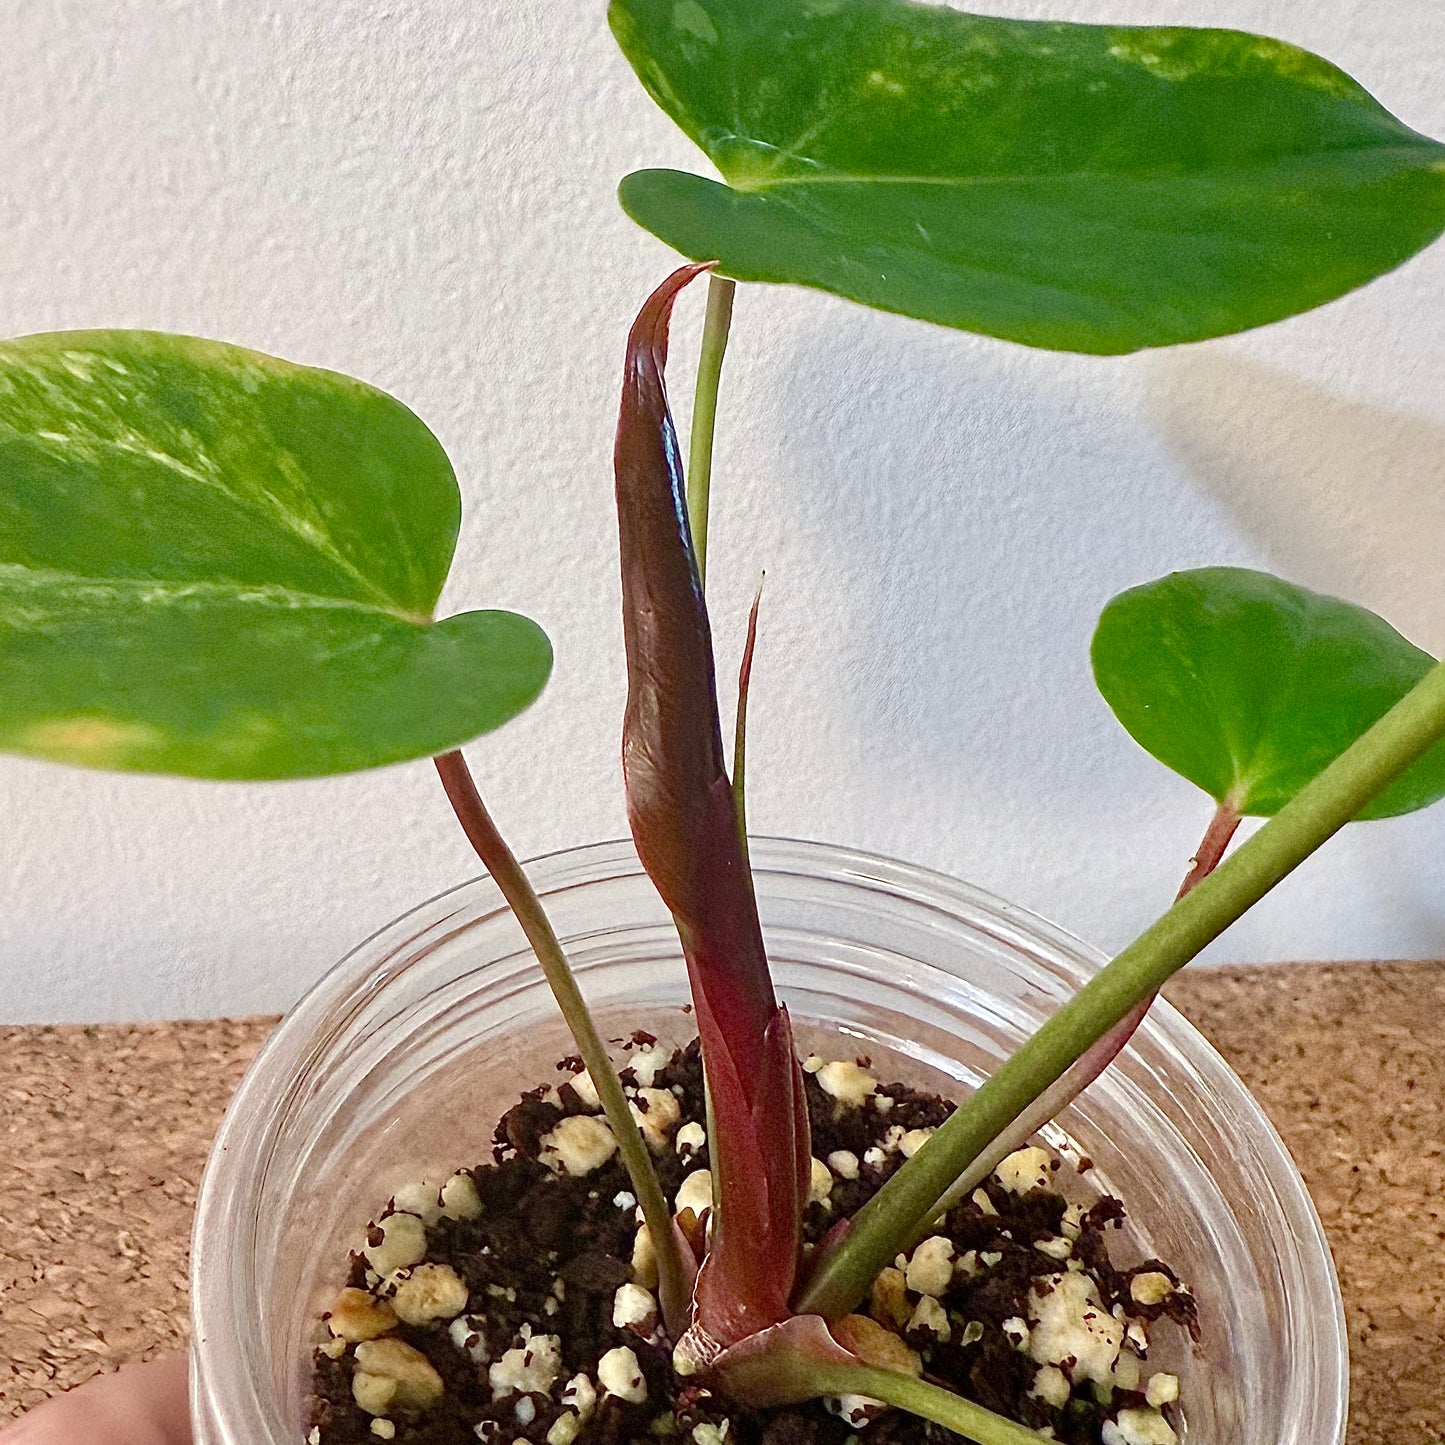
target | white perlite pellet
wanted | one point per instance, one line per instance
(419, 1198)
(1138, 1427)
(1017, 1332)
(1127, 1371)
(857, 1410)
(690, 1139)
(930, 1268)
(428, 1292)
(585, 1090)
(930, 1316)
(1024, 1169)
(1051, 1385)
(467, 1335)
(1151, 1288)
(634, 1308)
(578, 1145)
(580, 1394)
(564, 1429)
(459, 1197)
(820, 1182)
(530, 1367)
(383, 1429)
(849, 1083)
(1069, 1322)
(390, 1372)
(843, 1163)
(647, 1063)
(912, 1141)
(644, 1258)
(657, 1112)
(525, 1410)
(706, 1433)
(403, 1242)
(1163, 1389)
(619, 1374)
(694, 1193)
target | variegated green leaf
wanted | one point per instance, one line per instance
(1082, 187)
(220, 564)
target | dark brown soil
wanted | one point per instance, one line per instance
(538, 1227)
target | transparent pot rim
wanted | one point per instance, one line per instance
(256, 1103)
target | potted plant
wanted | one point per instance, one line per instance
(221, 565)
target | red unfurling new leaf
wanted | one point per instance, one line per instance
(681, 808)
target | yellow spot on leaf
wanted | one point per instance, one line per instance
(98, 741)
(1181, 55)
(689, 17)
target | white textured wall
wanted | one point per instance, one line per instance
(421, 193)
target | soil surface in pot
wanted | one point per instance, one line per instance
(515, 1301)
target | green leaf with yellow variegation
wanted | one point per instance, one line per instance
(219, 564)
(1088, 188)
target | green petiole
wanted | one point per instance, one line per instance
(1314, 815)
(720, 291)
(674, 1287)
(929, 1402)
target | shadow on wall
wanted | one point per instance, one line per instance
(1344, 496)
(1341, 495)
(963, 520)
(962, 517)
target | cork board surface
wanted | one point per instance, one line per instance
(103, 1132)
(1349, 1062)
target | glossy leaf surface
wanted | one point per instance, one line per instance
(219, 564)
(1078, 187)
(1248, 685)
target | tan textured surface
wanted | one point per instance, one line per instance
(1349, 1062)
(103, 1131)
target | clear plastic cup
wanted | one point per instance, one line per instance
(399, 1062)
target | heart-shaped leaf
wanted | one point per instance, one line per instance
(1248, 686)
(223, 565)
(1079, 187)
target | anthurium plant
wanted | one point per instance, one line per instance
(218, 564)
